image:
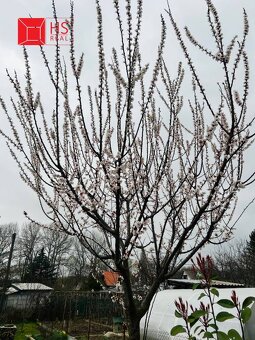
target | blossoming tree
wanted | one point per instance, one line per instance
(125, 166)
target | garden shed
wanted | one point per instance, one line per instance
(160, 318)
(26, 295)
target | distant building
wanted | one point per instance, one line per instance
(189, 273)
(26, 295)
(111, 279)
(189, 277)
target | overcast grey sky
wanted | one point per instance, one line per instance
(15, 197)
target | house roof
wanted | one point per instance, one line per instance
(17, 287)
(186, 283)
(190, 272)
(111, 278)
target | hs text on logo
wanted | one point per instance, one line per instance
(43, 31)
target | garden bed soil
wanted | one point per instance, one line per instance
(79, 328)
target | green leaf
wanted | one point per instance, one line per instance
(194, 317)
(197, 328)
(197, 314)
(201, 296)
(222, 336)
(226, 303)
(208, 335)
(177, 314)
(202, 331)
(212, 325)
(215, 291)
(248, 301)
(195, 285)
(245, 314)
(192, 322)
(177, 330)
(234, 335)
(223, 316)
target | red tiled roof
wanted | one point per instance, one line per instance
(111, 278)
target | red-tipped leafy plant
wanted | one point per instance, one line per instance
(203, 321)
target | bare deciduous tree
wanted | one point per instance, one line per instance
(236, 262)
(57, 247)
(125, 164)
(29, 244)
(83, 262)
(6, 232)
(231, 263)
(79, 261)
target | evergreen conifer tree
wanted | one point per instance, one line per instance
(251, 244)
(40, 270)
(249, 260)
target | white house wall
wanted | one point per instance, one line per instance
(24, 300)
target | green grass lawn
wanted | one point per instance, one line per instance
(31, 328)
(25, 329)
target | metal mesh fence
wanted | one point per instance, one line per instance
(75, 312)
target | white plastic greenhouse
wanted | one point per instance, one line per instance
(159, 320)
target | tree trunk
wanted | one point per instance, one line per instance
(134, 329)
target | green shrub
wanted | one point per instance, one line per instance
(204, 321)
